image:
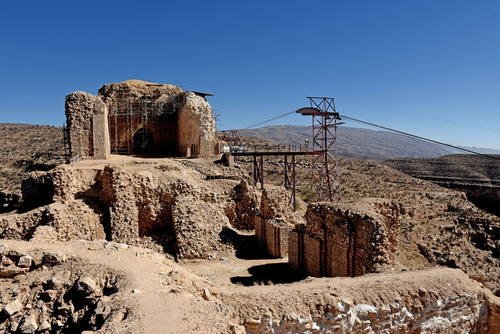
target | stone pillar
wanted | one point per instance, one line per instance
(87, 122)
(100, 132)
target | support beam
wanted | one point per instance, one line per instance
(289, 170)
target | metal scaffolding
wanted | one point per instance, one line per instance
(325, 120)
(130, 113)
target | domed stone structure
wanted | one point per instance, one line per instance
(135, 117)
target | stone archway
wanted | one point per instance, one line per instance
(143, 141)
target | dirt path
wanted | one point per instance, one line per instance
(166, 298)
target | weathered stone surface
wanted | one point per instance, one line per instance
(13, 307)
(178, 122)
(48, 295)
(11, 271)
(237, 329)
(243, 214)
(80, 110)
(87, 286)
(454, 303)
(51, 259)
(346, 239)
(25, 261)
(44, 326)
(37, 190)
(29, 324)
(275, 221)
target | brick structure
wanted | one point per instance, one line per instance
(345, 240)
(274, 222)
(272, 234)
(137, 117)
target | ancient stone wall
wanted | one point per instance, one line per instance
(136, 105)
(137, 117)
(100, 134)
(345, 240)
(147, 207)
(465, 314)
(272, 235)
(243, 215)
(275, 221)
(196, 126)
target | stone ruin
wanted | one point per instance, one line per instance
(345, 239)
(275, 221)
(139, 118)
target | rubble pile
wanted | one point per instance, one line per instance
(45, 292)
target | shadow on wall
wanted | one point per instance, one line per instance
(270, 273)
(92, 200)
(245, 245)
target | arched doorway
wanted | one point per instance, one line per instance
(143, 141)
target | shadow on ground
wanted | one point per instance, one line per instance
(266, 274)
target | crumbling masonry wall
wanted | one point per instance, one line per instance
(275, 221)
(196, 126)
(243, 214)
(345, 240)
(86, 119)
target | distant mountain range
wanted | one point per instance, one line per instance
(361, 143)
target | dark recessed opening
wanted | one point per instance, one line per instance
(143, 141)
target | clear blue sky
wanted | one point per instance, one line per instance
(412, 65)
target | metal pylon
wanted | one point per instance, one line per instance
(325, 120)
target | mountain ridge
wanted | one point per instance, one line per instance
(360, 143)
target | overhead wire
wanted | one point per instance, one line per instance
(420, 137)
(387, 129)
(269, 120)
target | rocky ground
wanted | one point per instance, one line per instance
(183, 257)
(438, 226)
(469, 168)
(106, 287)
(25, 148)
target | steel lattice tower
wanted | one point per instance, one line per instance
(325, 120)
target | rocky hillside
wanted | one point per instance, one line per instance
(478, 177)
(26, 148)
(468, 167)
(358, 143)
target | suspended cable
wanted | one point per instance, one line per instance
(269, 120)
(385, 128)
(420, 137)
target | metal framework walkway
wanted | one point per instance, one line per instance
(288, 172)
